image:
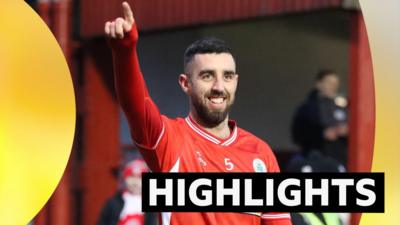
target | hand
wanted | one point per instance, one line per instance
(117, 28)
(330, 134)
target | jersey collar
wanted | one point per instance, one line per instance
(206, 135)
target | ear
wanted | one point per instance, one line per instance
(184, 82)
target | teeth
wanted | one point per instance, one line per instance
(217, 100)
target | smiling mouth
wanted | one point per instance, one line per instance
(216, 100)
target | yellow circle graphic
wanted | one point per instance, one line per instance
(37, 113)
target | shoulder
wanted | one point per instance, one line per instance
(172, 121)
(113, 203)
(261, 148)
(116, 199)
(173, 125)
(250, 139)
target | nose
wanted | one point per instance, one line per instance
(218, 85)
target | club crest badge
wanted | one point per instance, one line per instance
(259, 166)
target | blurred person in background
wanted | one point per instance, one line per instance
(320, 123)
(125, 207)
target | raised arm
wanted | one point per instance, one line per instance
(143, 115)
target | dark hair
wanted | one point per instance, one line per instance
(324, 73)
(204, 46)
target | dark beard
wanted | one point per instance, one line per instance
(210, 118)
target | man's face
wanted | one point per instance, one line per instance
(328, 86)
(211, 82)
(134, 184)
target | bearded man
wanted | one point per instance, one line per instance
(206, 140)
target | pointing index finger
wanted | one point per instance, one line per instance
(128, 15)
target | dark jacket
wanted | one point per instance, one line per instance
(112, 209)
(307, 129)
(309, 122)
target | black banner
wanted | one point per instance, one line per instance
(263, 192)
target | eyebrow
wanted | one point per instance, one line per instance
(206, 71)
(229, 72)
(213, 72)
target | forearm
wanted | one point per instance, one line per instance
(129, 84)
(142, 114)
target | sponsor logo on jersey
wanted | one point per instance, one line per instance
(259, 166)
